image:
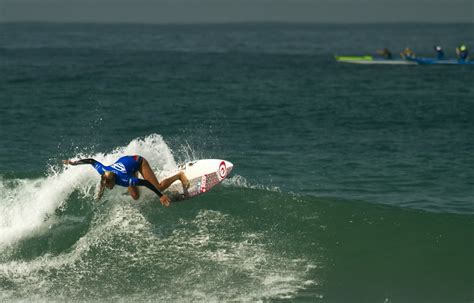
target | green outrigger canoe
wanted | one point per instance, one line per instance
(372, 60)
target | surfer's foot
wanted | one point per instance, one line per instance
(184, 179)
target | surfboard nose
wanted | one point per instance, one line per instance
(229, 166)
(225, 167)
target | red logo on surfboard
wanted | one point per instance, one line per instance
(222, 170)
(203, 184)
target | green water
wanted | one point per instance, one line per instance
(350, 183)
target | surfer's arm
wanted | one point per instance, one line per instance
(99, 167)
(147, 184)
(80, 162)
(100, 192)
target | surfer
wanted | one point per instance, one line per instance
(462, 53)
(124, 172)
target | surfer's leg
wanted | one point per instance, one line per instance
(149, 175)
(165, 183)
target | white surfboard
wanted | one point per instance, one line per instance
(202, 175)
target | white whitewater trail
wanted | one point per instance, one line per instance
(27, 206)
(123, 241)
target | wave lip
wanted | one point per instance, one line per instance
(27, 208)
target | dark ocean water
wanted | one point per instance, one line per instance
(350, 183)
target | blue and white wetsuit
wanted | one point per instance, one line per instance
(125, 170)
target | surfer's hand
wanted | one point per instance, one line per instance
(165, 200)
(68, 162)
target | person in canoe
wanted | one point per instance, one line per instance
(462, 53)
(385, 53)
(407, 54)
(439, 52)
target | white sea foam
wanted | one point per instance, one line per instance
(209, 254)
(242, 182)
(25, 209)
(27, 206)
(201, 263)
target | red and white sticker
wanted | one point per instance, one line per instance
(203, 184)
(222, 170)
